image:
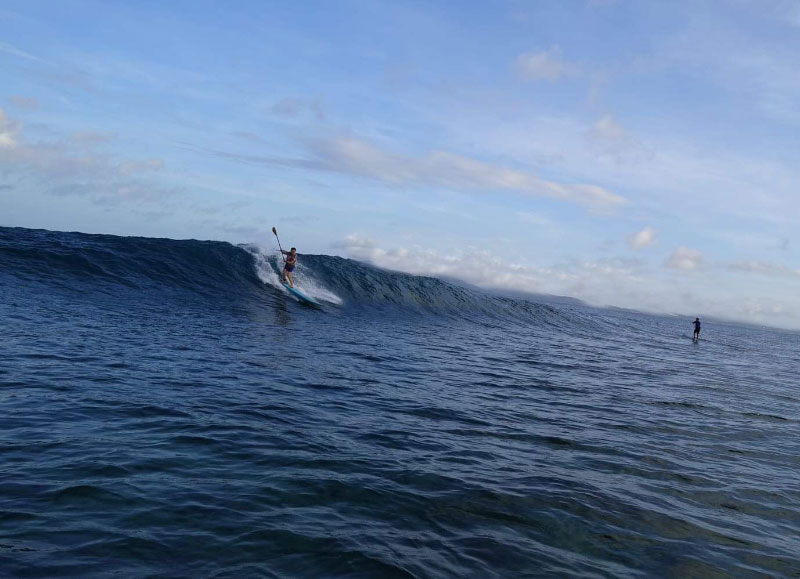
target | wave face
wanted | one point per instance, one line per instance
(168, 409)
(214, 268)
(133, 262)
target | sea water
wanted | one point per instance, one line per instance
(168, 410)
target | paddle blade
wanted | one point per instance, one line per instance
(275, 232)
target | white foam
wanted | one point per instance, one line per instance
(265, 270)
(308, 286)
(268, 271)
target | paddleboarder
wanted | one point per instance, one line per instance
(288, 265)
(696, 323)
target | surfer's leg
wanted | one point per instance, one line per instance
(291, 281)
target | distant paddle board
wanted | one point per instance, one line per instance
(300, 295)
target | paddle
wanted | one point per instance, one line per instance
(275, 231)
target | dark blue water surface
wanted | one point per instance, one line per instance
(169, 411)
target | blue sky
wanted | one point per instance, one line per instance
(637, 154)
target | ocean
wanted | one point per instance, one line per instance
(168, 410)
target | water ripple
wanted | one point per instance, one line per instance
(169, 438)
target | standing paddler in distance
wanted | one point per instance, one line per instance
(696, 335)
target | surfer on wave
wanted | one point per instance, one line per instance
(288, 265)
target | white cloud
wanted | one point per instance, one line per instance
(437, 168)
(685, 258)
(8, 132)
(543, 65)
(452, 171)
(608, 129)
(359, 246)
(643, 238)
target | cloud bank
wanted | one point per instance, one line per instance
(73, 165)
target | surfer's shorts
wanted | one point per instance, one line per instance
(289, 268)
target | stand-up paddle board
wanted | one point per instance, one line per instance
(300, 295)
